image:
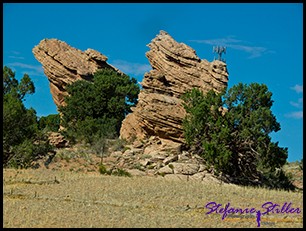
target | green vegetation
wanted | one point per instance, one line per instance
(115, 172)
(103, 170)
(231, 131)
(49, 123)
(96, 109)
(23, 142)
(121, 172)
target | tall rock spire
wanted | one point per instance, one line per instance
(175, 69)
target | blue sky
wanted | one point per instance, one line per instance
(264, 45)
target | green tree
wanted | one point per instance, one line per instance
(49, 123)
(231, 131)
(12, 86)
(95, 109)
(22, 141)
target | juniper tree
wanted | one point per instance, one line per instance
(96, 109)
(23, 142)
(231, 130)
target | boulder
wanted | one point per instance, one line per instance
(185, 168)
(57, 140)
(165, 170)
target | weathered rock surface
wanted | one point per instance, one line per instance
(64, 65)
(160, 158)
(163, 159)
(175, 69)
(57, 140)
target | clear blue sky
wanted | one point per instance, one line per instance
(264, 45)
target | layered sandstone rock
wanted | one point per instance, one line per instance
(175, 69)
(64, 65)
(57, 140)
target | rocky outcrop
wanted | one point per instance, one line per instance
(154, 157)
(160, 158)
(64, 65)
(57, 140)
(175, 69)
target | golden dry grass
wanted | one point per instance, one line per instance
(46, 198)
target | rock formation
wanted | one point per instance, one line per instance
(175, 69)
(57, 140)
(160, 158)
(64, 64)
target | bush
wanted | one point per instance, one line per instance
(230, 130)
(25, 154)
(115, 172)
(278, 179)
(120, 172)
(103, 170)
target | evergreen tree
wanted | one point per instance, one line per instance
(22, 140)
(49, 123)
(96, 109)
(231, 131)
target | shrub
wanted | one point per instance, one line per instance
(115, 172)
(230, 130)
(103, 170)
(278, 179)
(121, 172)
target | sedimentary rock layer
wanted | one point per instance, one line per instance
(175, 69)
(64, 65)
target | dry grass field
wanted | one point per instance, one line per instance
(57, 198)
